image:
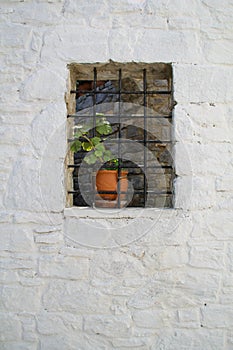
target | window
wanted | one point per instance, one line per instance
(119, 123)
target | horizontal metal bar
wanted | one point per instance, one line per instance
(121, 192)
(92, 92)
(123, 116)
(124, 167)
(130, 141)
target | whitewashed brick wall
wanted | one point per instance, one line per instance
(169, 284)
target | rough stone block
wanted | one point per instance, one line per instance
(20, 345)
(194, 192)
(47, 229)
(185, 338)
(114, 265)
(64, 267)
(20, 298)
(23, 187)
(37, 14)
(53, 238)
(10, 327)
(127, 343)
(47, 128)
(155, 318)
(226, 296)
(18, 261)
(224, 183)
(74, 296)
(107, 325)
(219, 50)
(189, 317)
(154, 48)
(7, 276)
(14, 135)
(197, 158)
(5, 216)
(191, 288)
(215, 220)
(214, 88)
(14, 238)
(61, 44)
(72, 341)
(165, 257)
(30, 187)
(217, 316)
(44, 85)
(201, 123)
(28, 327)
(57, 323)
(204, 257)
(230, 252)
(14, 36)
(229, 339)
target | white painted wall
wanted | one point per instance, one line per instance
(171, 288)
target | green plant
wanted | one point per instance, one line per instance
(83, 141)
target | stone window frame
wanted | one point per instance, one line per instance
(70, 98)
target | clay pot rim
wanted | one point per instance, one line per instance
(113, 171)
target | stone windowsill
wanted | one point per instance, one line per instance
(87, 212)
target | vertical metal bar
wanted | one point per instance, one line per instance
(94, 100)
(119, 143)
(145, 132)
(93, 175)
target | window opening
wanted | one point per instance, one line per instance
(138, 108)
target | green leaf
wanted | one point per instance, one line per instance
(98, 153)
(76, 146)
(87, 146)
(107, 155)
(78, 134)
(104, 129)
(96, 140)
(90, 159)
(100, 147)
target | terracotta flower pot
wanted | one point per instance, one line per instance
(106, 180)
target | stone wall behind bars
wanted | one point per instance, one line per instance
(167, 283)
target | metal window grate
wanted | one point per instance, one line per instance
(151, 182)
